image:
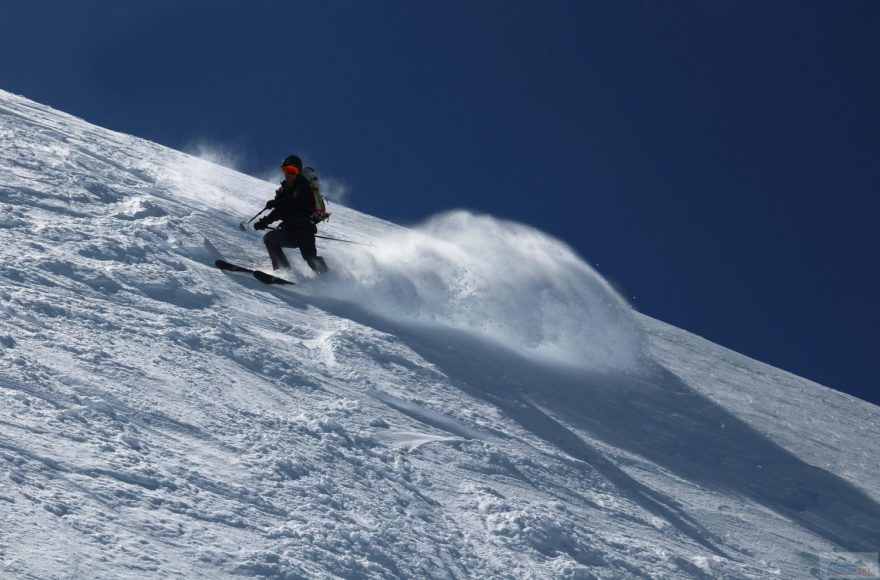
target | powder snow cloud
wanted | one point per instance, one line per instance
(505, 281)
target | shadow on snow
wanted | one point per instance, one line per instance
(655, 415)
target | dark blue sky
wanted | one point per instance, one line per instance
(718, 161)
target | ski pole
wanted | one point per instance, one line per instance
(243, 225)
(370, 244)
(344, 241)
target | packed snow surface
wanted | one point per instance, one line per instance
(462, 399)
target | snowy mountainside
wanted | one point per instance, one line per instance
(463, 399)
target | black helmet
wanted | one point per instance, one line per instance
(292, 160)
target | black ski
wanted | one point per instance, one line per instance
(264, 277)
(224, 265)
(267, 278)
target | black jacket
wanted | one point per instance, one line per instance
(294, 206)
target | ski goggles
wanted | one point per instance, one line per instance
(290, 169)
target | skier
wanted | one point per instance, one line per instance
(295, 205)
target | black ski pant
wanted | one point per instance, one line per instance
(302, 239)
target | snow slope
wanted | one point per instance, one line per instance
(463, 399)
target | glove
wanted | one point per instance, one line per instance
(261, 224)
(270, 204)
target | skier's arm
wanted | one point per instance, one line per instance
(274, 215)
(264, 222)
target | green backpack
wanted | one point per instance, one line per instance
(321, 213)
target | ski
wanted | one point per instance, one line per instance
(267, 278)
(263, 277)
(224, 265)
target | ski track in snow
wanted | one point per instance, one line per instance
(465, 399)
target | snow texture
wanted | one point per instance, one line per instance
(463, 399)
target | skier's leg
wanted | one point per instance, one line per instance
(317, 264)
(274, 240)
(310, 253)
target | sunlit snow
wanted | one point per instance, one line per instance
(466, 398)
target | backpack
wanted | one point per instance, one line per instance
(321, 213)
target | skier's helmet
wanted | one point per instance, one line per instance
(292, 160)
